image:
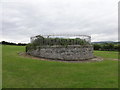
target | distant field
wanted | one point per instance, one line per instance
(23, 72)
(107, 54)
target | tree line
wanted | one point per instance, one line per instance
(107, 47)
(11, 43)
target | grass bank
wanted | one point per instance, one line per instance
(23, 72)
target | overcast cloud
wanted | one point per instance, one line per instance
(26, 18)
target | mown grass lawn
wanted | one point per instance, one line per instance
(24, 72)
(0, 66)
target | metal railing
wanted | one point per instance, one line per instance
(66, 37)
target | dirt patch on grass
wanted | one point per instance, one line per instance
(72, 61)
(114, 59)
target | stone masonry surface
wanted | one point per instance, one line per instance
(74, 52)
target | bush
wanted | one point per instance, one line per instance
(107, 47)
(39, 41)
(97, 46)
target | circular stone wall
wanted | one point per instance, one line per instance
(71, 52)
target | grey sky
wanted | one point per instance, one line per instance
(26, 18)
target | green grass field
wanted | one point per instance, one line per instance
(0, 66)
(24, 72)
